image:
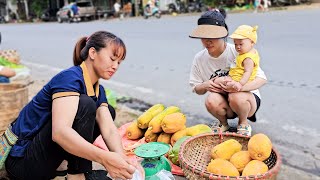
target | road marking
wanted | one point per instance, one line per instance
(301, 130)
(103, 82)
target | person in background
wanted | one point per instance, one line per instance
(5, 74)
(74, 9)
(215, 61)
(127, 9)
(117, 8)
(62, 121)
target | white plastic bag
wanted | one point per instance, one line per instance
(136, 176)
(162, 175)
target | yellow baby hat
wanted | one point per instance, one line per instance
(245, 31)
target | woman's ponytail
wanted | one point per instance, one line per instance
(77, 59)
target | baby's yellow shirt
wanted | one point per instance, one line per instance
(236, 72)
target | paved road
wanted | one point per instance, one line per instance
(159, 60)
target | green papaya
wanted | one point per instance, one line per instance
(174, 152)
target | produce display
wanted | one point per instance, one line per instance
(163, 125)
(229, 159)
(168, 125)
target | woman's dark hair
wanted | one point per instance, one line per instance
(223, 12)
(98, 40)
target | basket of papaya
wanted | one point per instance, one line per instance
(229, 156)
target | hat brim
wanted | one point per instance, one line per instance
(237, 36)
(209, 31)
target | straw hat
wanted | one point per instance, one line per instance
(245, 32)
(210, 25)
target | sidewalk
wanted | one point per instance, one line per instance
(126, 114)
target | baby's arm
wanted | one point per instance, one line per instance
(248, 66)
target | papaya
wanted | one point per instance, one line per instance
(198, 129)
(145, 118)
(155, 122)
(226, 149)
(255, 167)
(156, 109)
(177, 135)
(222, 167)
(164, 137)
(173, 122)
(259, 147)
(150, 136)
(240, 159)
(174, 152)
(133, 131)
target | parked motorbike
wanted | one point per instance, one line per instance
(154, 11)
(178, 7)
(197, 6)
(2, 20)
(290, 2)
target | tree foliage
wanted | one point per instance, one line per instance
(38, 6)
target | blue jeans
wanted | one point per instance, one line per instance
(4, 79)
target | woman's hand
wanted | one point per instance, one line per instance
(118, 166)
(213, 85)
(136, 164)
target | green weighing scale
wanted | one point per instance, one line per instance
(153, 159)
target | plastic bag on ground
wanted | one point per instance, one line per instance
(162, 175)
(136, 176)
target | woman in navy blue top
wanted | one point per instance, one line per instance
(64, 118)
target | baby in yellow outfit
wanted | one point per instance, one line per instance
(247, 62)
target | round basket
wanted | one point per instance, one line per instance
(194, 157)
(13, 97)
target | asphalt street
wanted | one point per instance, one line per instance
(159, 57)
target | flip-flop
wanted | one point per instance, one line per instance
(58, 173)
(97, 175)
(61, 173)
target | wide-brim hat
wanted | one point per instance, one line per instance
(210, 27)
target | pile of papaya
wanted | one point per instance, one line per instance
(164, 124)
(229, 159)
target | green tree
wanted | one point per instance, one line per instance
(38, 6)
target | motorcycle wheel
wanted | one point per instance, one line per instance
(59, 20)
(157, 15)
(280, 3)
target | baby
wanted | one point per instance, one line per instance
(247, 62)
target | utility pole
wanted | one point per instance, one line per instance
(26, 8)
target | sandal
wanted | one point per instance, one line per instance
(244, 129)
(220, 127)
(97, 175)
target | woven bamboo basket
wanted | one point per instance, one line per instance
(13, 97)
(194, 157)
